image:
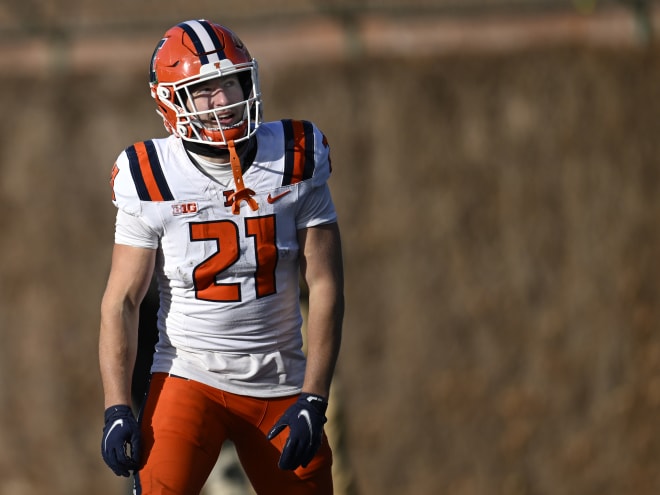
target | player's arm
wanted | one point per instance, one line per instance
(321, 267)
(322, 270)
(129, 279)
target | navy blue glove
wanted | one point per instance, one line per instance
(120, 447)
(305, 420)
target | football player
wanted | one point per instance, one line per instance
(228, 211)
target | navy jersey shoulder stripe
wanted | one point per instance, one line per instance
(147, 172)
(299, 161)
(134, 165)
(157, 171)
(310, 162)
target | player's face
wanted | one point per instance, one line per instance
(216, 93)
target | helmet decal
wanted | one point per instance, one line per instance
(237, 42)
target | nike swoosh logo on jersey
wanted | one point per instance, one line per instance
(305, 414)
(118, 422)
(272, 199)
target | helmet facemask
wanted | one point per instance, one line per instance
(204, 126)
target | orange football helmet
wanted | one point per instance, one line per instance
(195, 51)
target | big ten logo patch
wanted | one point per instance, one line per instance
(184, 208)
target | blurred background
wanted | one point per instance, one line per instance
(496, 176)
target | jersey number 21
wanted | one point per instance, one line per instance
(225, 233)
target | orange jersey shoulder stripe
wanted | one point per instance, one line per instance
(298, 151)
(147, 172)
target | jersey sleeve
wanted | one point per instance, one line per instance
(132, 231)
(131, 226)
(124, 192)
(323, 163)
(317, 207)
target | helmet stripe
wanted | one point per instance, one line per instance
(218, 44)
(205, 41)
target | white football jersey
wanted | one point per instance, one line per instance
(229, 314)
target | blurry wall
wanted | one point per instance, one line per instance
(499, 214)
